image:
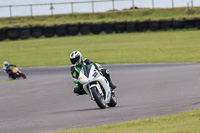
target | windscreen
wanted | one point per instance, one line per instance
(86, 70)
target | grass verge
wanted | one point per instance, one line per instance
(10, 80)
(187, 122)
(110, 16)
(148, 47)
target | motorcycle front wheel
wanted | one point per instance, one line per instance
(23, 76)
(98, 98)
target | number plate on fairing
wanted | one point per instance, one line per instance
(95, 74)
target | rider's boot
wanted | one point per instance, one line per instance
(106, 73)
(112, 86)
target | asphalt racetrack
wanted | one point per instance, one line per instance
(45, 100)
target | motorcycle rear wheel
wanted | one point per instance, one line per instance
(98, 98)
(13, 77)
(113, 100)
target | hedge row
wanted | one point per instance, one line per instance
(85, 29)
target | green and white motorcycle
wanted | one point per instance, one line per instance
(97, 87)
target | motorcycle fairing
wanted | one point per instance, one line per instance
(94, 79)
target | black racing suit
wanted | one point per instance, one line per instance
(75, 74)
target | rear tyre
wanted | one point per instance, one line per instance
(98, 98)
(113, 100)
(23, 76)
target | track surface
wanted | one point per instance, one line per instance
(45, 101)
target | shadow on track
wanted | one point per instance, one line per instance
(75, 110)
(83, 110)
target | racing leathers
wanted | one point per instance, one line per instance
(7, 69)
(75, 70)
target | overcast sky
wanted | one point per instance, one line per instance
(157, 2)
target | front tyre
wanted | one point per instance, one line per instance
(23, 76)
(98, 98)
(113, 100)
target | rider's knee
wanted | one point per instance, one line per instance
(80, 91)
(76, 90)
(105, 72)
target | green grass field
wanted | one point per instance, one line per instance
(148, 47)
(187, 122)
(110, 16)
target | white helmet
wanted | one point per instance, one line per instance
(5, 63)
(75, 58)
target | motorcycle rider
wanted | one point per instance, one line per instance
(7, 69)
(77, 64)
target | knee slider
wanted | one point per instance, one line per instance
(107, 71)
